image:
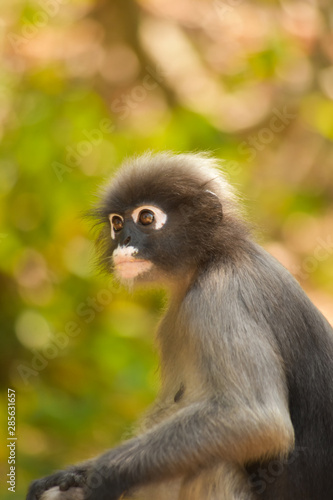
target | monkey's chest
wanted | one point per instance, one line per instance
(182, 383)
(182, 377)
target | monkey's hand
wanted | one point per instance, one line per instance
(105, 481)
(98, 481)
(74, 477)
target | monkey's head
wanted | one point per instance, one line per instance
(162, 216)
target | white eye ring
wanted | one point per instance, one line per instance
(160, 217)
(113, 232)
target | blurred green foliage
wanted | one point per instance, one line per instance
(83, 85)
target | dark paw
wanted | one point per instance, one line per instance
(103, 484)
(75, 478)
(63, 479)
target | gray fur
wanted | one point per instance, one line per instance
(240, 346)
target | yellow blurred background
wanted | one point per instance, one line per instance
(85, 83)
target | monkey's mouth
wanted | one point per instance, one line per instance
(130, 267)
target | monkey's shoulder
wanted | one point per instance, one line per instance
(256, 289)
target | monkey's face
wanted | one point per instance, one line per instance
(160, 217)
(131, 232)
(158, 242)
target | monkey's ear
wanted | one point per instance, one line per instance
(214, 203)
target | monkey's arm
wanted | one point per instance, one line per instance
(231, 426)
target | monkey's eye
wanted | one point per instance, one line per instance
(149, 215)
(146, 217)
(117, 223)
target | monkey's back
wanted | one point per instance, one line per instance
(305, 341)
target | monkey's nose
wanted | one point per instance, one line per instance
(127, 241)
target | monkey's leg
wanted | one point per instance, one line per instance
(56, 494)
(224, 481)
(165, 490)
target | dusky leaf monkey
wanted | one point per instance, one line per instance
(245, 409)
